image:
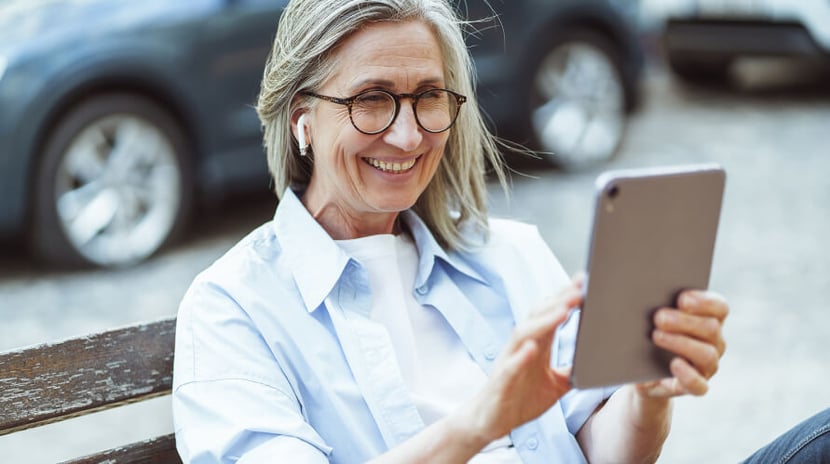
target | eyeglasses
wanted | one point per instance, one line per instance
(373, 111)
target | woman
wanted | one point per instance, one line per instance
(380, 315)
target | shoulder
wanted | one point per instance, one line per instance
(236, 284)
(257, 253)
(230, 307)
(518, 241)
(519, 254)
(516, 233)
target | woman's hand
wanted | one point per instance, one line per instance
(633, 424)
(522, 384)
(520, 387)
(693, 332)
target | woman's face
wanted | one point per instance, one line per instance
(350, 192)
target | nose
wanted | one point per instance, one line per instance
(404, 132)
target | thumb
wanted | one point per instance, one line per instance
(563, 375)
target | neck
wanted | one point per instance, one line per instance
(345, 225)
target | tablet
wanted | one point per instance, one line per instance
(653, 236)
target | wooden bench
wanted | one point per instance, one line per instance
(52, 382)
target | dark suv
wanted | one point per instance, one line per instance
(117, 116)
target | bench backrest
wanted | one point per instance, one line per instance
(53, 382)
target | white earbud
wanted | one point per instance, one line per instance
(301, 139)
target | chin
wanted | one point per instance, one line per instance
(396, 205)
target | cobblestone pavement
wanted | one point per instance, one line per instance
(771, 261)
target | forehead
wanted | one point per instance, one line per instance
(401, 54)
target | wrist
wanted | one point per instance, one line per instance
(650, 411)
(648, 397)
(469, 423)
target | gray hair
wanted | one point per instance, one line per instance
(308, 34)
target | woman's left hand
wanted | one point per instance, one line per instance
(692, 331)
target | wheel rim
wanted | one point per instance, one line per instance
(118, 190)
(580, 111)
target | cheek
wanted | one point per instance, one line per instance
(334, 130)
(347, 151)
(339, 116)
(352, 145)
(342, 146)
(438, 152)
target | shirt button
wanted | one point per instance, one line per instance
(422, 290)
(490, 352)
(532, 444)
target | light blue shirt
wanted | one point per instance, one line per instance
(277, 357)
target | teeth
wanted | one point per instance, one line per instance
(395, 167)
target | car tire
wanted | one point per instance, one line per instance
(578, 108)
(113, 184)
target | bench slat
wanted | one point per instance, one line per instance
(158, 450)
(53, 382)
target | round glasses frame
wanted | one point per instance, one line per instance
(396, 97)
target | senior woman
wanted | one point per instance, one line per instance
(380, 315)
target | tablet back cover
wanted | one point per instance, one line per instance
(653, 236)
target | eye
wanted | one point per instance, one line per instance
(372, 98)
(434, 94)
(374, 101)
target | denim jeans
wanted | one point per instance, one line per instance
(807, 442)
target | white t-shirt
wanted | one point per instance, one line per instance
(436, 367)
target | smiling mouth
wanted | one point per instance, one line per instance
(391, 167)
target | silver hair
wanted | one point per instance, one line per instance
(307, 36)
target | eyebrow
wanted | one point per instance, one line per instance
(389, 84)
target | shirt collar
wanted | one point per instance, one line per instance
(313, 257)
(429, 249)
(318, 263)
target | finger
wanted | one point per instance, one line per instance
(518, 360)
(689, 378)
(663, 388)
(570, 297)
(540, 328)
(562, 376)
(704, 328)
(704, 356)
(578, 279)
(563, 372)
(703, 303)
(543, 323)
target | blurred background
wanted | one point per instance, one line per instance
(130, 159)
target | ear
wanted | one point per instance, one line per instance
(301, 132)
(295, 122)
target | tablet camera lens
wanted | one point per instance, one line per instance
(613, 192)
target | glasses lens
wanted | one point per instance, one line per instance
(373, 111)
(436, 110)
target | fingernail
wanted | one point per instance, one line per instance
(689, 298)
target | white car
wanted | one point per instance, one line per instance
(703, 38)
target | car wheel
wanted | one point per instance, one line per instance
(113, 185)
(578, 108)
